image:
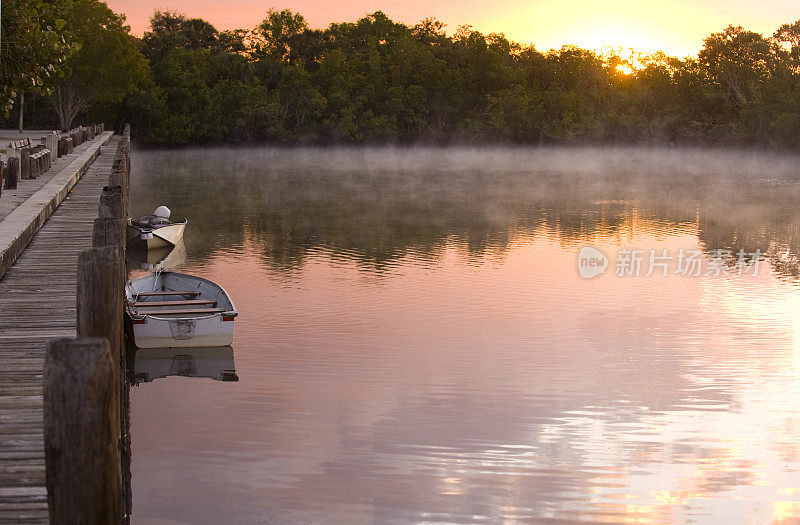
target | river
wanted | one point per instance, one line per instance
(490, 335)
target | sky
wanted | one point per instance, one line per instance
(676, 27)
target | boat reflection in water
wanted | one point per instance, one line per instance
(163, 258)
(148, 364)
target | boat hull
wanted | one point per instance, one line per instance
(162, 237)
(156, 332)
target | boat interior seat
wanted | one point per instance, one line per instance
(185, 302)
(177, 292)
(179, 311)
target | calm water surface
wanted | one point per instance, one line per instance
(416, 344)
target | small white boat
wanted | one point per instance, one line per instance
(176, 310)
(211, 362)
(155, 230)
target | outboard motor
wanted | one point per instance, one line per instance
(157, 219)
(162, 211)
(157, 222)
(143, 221)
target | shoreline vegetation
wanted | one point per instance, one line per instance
(375, 81)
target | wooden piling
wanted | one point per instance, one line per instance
(24, 163)
(33, 164)
(12, 173)
(109, 231)
(119, 177)
(81, 426)
(101, 278)
(110, 226)
(100, 302)
(112, 201)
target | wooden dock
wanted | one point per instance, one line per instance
(38, 304)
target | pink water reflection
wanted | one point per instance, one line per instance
(451, 385)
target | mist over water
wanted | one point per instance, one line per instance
(415, 342)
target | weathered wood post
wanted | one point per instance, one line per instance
(112, 200)
(110, 226)
(81, 402)
(109, 231)
(12, 174)
(39, 160)
(25, 163)
(34, 163)
(114, 203)
(47, 144)
(100, 302)
(101, 278)
(120, 177)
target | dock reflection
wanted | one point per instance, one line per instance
(148, 364)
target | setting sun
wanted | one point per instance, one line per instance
(625, 69)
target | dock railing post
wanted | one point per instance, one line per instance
(24, 163)
(112, 200)
(120, 178)
(81, 432)
(12, 174)
(100, 314)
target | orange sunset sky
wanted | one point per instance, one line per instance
(677, 27)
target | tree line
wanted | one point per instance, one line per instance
(376, 80)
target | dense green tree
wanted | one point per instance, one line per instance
(170, 30)
(107, 67)
(374, 79)
(739, 64)
(202, 76)
(33, 49)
